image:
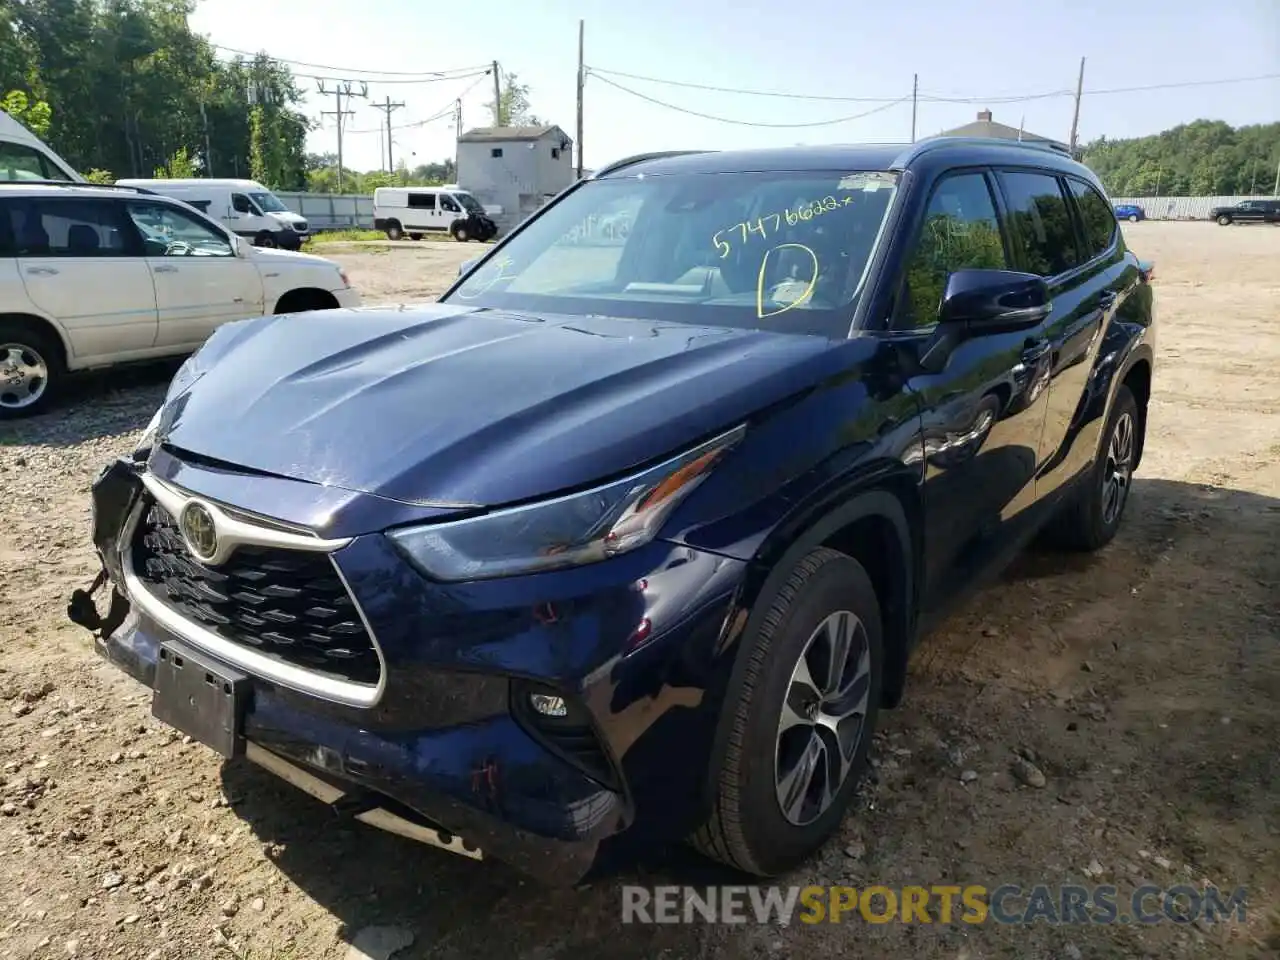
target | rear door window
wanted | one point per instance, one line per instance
(1043, 232)
(1096, 218)
(58, 227)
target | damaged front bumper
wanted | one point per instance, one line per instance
(438, 758)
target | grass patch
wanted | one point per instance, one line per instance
(342, 236)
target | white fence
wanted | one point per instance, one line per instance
(330, 211)
(1182, 208)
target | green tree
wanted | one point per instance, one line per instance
(514, 109)
(105, 177)
(35, 114)
(179, 167)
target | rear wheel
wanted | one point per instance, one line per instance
(800, 718)
(394, 231)
(1224, 221)
(31, 370)
(1090, 519)
(1133, 218)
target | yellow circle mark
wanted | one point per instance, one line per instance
(808, 291)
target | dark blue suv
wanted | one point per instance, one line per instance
(632, 533)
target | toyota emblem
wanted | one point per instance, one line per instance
(199, 531)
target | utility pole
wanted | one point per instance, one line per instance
(582, 76)
(1075, 116)
(341, 88)
(1275, 191)
(208, 150)
(915, 97)
(497, 96)
(1253, 184)
(387, 108)
(457, 121)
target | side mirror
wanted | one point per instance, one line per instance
(467, 266)
(993, 300)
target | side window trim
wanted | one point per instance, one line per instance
(917, 231)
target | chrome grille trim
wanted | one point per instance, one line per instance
(256, 664)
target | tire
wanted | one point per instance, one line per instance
(1088, 521)
(747, 828)
(460, 233)
(31, 370)
(1224, 220)
(1133, 218)
(264, 239)
(415, 236)
(394, 232)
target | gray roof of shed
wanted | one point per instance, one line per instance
(996, 131)
(494, 134)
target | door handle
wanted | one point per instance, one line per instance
(1033, 350)
(42, 271)
(165, 268)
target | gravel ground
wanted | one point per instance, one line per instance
(1144, 681)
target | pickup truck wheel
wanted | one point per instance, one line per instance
(801, 716)
(31, 371)
(1224, 221)
(1090, 519)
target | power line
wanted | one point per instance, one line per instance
(1185, 83)
(443, 112)
(441, 74)
(599, 72)
(749, 123)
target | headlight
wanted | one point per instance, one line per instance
(568, 531)
(149, 434)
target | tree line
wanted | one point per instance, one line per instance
(1204, 158)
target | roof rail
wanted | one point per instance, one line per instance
(1052, 145)
(641, 158)
(73, 183)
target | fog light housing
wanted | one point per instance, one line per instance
(548, 705)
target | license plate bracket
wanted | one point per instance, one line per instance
(201, 698)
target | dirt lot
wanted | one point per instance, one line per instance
(1145, 679)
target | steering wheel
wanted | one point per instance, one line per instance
(178, 248)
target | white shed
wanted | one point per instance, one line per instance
(515, 168)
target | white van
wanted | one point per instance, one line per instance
(417, 210)
(244, 207)
(23, 157)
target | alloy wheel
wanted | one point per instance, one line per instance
(24, 376)
(1118, 471)
(823, 718)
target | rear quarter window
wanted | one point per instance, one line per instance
(1096, 217)
(1042, 226)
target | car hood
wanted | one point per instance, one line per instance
(270, 256)
(444, 405)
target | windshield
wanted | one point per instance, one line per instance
(782, 251)
(469, 203)
(268, 203)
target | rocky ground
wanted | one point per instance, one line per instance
(1143, 683)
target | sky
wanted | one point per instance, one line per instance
(987, 52)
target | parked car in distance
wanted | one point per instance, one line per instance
(24, 157)
(93, 276)
(1130, 211)
(625, 542)
(416, 211)
(1247, 211)
(245, 207)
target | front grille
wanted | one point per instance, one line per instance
(287, 604)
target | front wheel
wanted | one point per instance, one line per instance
(460, 232)
(1133, 218)
(264, 239)
(1090, 519)
(799, 718)
(1224, 221)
